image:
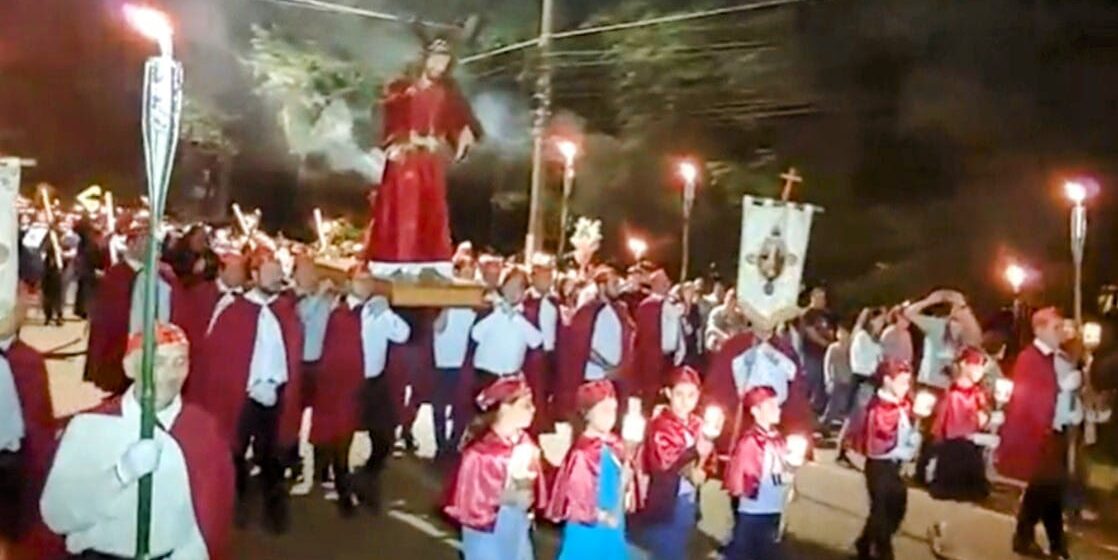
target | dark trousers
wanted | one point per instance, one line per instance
(1044, 503)
(52, 295)
(378, 417)
(87, 285)
(888, 503)
(11, 495)
(258, 428)
(816, 381)
(335, 456)
(446, 395)
(756, 537)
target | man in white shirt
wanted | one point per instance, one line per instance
(91, 493)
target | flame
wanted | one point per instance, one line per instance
(151, 23)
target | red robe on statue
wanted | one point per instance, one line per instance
(411, 223)
(720, 388)
(651, 364)
(475, 491)
(574, 495)
(38, 445)
(1029, 449)
(337, 402)
(577, 339)
(108, 325)
(220, 386)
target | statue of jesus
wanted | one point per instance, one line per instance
(427, 121)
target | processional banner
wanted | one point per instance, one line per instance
(774, 242)
(9, 232)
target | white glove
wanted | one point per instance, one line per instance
(264, 393)
(140, 459)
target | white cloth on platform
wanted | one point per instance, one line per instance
(85, 501)
(162, 302)
(503, 338)
(12, 429)
(377, 330)
(268, 368)
(605, 342)
(453, 342)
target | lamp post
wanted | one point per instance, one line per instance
(689, 171)
(569, 150)
(1016, 275)
(162, 108)
(1077, 194)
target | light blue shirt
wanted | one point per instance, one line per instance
(314, 312)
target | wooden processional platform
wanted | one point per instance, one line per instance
(411, 292)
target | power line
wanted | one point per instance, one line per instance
(323, 6)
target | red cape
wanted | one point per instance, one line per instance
(479, 483)
(108, 325)
(220, 384)
(574, 495)
(957, 413)
(660, 459)
(537, 367)
(874, 431)
(577, 338)
(209, 469)
(341, 372)
(720, 388)
(412, 363)
(747, 462)
(1029, 449)
(651, 364)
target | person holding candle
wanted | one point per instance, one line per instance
(962, 414)
(673, 457)
(499, 482)
(594, 486)
(758, 479)
(887, 435)
(1033, 446)
(353, 392)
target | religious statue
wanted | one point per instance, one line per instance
(427, 121)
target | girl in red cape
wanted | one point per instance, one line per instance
(673, 458)
(963, 412)
(593, 487)
(499, 483)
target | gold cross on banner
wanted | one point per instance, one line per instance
(791, 178)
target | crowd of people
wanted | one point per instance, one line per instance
(251, 335)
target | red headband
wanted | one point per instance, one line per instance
(166, 334)
(594, 392)
(684, 374)
(505, 389)
(757, 395)
(971, 356)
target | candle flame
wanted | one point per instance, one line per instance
(713, 421)
(1003, 390)
(925, 404)
(151, 23)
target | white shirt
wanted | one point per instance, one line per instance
(763, 366)
(85, 501)
(452, 343)
(503, 338)
(268, 369)
(773, 489)
(376, 332)
(314, 313)
(606, 343)
(671, 331)
(865, 354)
(549, 323)
(228, 297)
(136, 309)
(939, 352)
(12, 429)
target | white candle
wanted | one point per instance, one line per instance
(1092, 335)
(925, 404)
(1003, 390)
(796, 447)
(520, 464)
(713, 421)
(632, 428)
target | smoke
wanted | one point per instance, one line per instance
(506, 119)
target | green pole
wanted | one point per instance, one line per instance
(147, 385)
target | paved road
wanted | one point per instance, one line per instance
(822, 524)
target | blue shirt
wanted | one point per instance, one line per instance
(314, 312)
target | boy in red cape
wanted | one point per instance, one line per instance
(593, 488)
(116, 313)
(353, 391)
(659, 338)
(250, 383)
(887, 435)
(597, 344)
(758, 478)
(91, 494)
(673, 457)
(1031, 448)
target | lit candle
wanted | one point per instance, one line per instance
(632, 428)
(523, 458)
(796, 447)
(1092, 336)
(713, 421)
(925, 404)
(1003, 390)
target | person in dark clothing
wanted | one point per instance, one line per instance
(90, 259)
(192, 259)
(51, 286)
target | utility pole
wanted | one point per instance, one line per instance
(534, 241)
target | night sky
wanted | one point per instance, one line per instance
(943, 131)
